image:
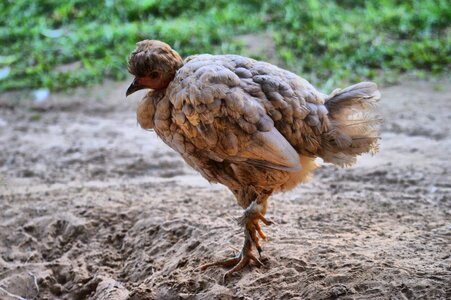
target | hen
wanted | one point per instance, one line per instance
(249, 125)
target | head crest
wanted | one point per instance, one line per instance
(153, 56)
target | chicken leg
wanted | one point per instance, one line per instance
(250, 222)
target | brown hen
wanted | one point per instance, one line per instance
(249, 125)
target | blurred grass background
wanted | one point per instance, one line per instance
(58, 44)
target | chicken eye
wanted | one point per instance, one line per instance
(154, 75)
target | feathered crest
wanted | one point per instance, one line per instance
(150, 56)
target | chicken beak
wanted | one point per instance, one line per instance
(135, 86)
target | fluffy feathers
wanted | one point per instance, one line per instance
(352, 119)
(229, 116)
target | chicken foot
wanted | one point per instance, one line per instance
(250, 221)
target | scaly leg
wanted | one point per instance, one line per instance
(252, 215)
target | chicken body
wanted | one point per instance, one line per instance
(252, 126)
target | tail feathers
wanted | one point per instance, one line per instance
(353, 124)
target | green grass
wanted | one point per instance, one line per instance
(326, 42)
(348, 42)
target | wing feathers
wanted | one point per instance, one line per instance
(224, 101)
(270, 149)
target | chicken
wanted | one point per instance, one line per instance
(249, 125)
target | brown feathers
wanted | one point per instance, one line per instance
(150, 56)
(231, 116)
(353, 123)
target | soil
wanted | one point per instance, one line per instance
(93, 207)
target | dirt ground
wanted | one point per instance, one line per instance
(93, 207)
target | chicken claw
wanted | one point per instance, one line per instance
(252, 215)
(239, 262)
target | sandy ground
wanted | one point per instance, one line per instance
(93, 207)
